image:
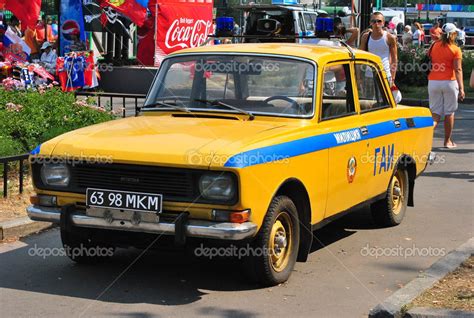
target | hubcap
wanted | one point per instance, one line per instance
(280, 241)
(398, 192)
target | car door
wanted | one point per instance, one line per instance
(340, 122)
(310, 23)
(381, 125)
(300, 29)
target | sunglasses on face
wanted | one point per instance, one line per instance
(376, 21)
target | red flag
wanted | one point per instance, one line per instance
(135, 10)
(27, 11)
(2, 4)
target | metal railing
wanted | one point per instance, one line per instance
(5, 161)
(111, 98)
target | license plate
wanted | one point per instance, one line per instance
(124, 200)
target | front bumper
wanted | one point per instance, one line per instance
(194, 228)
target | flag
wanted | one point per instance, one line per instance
(27, 11)
(135, 10)
(15, 49)
(71, 25)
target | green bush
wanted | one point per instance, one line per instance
(412, 66)
(467, 63)
(29, 118)
(8, 146)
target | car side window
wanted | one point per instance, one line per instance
(337, 97)
(370, 88)
(309, 21)
(301, 22)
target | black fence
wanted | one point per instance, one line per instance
(128, 104)
(5, 161)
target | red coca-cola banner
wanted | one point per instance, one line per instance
(182, 24)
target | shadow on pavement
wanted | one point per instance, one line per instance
(344, 227)
(463, 175)
(163, 277)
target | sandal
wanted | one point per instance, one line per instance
(450, 146)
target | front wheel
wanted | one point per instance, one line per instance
(276, 246)
(390, 210)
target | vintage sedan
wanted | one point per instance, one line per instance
(255, 145)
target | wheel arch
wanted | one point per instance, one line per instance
(296, 191)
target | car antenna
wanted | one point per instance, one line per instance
(347, 46)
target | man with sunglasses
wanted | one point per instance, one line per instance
(381, 43)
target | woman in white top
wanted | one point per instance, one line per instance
(407, 36)
(418, 35)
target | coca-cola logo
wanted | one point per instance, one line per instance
(185, 33)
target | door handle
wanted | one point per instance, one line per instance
(364, 130)
(397, 123)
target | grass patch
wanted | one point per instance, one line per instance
(455, 291)
(14, 206)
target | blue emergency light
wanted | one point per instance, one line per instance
(324, 25)
(224, 26)
(287, 2)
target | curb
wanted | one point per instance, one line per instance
(394, 305)
(422, 312)
(21, 227)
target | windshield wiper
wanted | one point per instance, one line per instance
(219, 103)
(163, 104)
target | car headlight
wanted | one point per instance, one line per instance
(217, 187)
(55, 175)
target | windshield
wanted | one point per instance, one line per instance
(254, 85)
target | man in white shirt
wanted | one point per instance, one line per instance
(48, 58)
(461, 39)
(383, 44)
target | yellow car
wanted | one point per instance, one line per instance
(256, 145)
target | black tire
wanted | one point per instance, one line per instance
(282, 224)
(390, 210)
(82, 249)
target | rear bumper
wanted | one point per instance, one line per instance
(194, 228)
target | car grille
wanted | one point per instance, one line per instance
(175, 184)
(171, 183)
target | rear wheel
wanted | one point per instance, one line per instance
(276, 246)
(390, 210)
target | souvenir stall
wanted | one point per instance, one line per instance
(121, 39)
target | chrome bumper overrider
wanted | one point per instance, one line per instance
(194, 228)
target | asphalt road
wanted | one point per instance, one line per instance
(341, 278)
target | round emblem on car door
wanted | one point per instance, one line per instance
(351, 169)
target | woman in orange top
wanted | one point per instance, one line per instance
(445, 83)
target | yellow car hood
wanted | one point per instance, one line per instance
(163, 139)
